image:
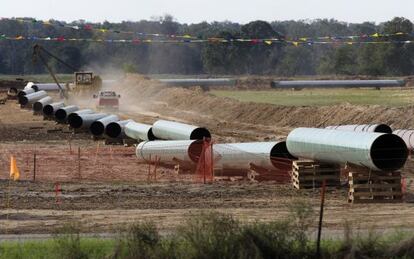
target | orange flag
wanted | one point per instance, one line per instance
(14, 171)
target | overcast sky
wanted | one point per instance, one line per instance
(193, 11)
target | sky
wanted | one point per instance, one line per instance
(194, 11)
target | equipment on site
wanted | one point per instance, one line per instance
(107, 100)
(85, 81)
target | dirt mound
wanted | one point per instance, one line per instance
(191, 104)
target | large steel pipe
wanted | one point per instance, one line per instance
(199, 82)
(45, 86)
(170, 152)
(268, 155)
(38, 106)
(50, 109)
(84, 121)
(24, 92)
(377, 151)
(172, 130)
(116, 129)
(407, 136)
(139, 131)
(78, 112)
(380, 128)
(61, 114)
(28, 85)
(32, 98)
(97, 128)
(337, 83)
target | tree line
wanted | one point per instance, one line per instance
(236, 58)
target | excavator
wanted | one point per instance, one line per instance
(85, 82)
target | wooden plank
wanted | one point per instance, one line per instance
(391, 193)
(318, 178)
(374, 177)
(364, 186)
(379, 174)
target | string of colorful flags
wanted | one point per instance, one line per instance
(209, 40)
(141, 37)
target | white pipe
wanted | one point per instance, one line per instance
(139, 131)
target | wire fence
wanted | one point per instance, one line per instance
(72, 164)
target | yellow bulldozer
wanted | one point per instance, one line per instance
(85, 82)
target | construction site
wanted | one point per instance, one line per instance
(160, 139)
(236, 161)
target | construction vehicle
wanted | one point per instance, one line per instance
(107, 100)
(84, 82)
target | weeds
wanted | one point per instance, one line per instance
(68, 243)
(215, 235)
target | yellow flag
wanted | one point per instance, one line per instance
(14, 171)
(295, 43)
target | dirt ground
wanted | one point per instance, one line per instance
(106, 188)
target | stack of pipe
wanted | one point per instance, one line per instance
(199, 82)
(116, 130)
(336, 84)
(407, 136)
(376, 151)
(171, 130)
(61, 115)
(38, 106)
(272, 156)
(24, 92)
(45, 86)
(84, 121)
(30, 99)
(381, 128)
(78, 112)
(139, 131)
(170, 152)
(97, 128)
(49, 110)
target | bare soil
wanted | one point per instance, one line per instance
(107, 189)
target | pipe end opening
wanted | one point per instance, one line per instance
(389, 152)
(383, 128)
(113, 130)
(97, 128)
(76, 122)
(200, 133)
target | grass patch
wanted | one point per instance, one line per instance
(214, 235)
(88, 248)
(322, 97)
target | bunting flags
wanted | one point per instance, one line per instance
(186, 36)
(266, 42)
(103, 36)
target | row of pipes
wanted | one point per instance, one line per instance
(371, 146)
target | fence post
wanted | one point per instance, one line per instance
(318, 242)
(34, 166)
(79, 163)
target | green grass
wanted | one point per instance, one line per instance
(215, 235)
(322, 97)
(92, 247)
